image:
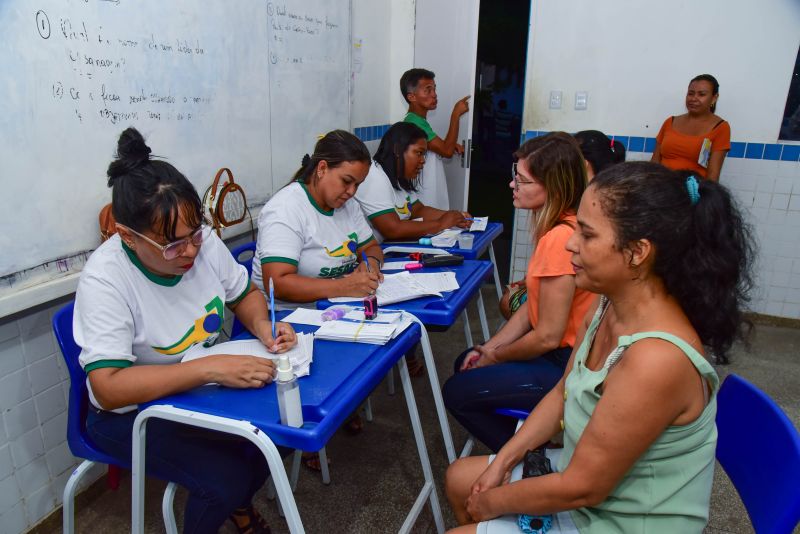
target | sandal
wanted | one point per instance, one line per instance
(354, 424)
(310, 460)
(249, 521)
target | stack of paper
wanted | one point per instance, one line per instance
(357, 331)
(446, 238)
(395, 288)
(479, 224)
(300, 356)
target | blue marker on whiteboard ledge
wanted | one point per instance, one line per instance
(272, 307)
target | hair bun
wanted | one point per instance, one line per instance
(132, 153)
(306, 160)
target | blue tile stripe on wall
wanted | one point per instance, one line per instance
(739, 149)
(371, 133)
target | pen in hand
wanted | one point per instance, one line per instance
(272, 308)
(365, 260)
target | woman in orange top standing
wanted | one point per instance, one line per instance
(698, 140)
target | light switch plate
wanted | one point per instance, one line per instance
(581, 100)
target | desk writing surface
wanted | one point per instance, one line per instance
(481, 244)
(342, 376)
(444, 310)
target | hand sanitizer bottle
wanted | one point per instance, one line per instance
(288, 394)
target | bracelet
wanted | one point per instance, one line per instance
(380, 263)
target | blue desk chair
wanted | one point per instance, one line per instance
(759, 449)
(79, 442)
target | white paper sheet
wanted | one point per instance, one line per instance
(300, 356)
(305, 316)
(438, 282)
(396, 287)
(479, 224)
(446, 238)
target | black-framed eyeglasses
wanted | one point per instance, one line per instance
(515, 176)
(170, 251)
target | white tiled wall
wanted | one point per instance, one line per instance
(35, 461)
(769, 193)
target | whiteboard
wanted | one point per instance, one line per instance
(198, 79)
(309, 48)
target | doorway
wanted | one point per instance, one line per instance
(497, 121)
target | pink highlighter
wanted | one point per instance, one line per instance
(413, 266)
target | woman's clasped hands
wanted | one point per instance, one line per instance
(478, 505)
(480, 356)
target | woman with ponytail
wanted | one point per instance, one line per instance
(139, 302)
(671, 257)
(311, 235)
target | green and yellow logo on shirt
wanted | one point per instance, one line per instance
(404, 209)
(203, 328)
(347, 248)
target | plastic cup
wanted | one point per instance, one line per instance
(465, 240)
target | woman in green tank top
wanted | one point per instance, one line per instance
(671, 256)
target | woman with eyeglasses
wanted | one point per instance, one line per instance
(146, 296)
(599, 152)
(527, 356)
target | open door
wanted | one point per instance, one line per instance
(446, 42)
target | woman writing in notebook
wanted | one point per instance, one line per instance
(527, 357)
(150, 293)
(698, 140)
(671, 257)
(311, 235)
(388, 197)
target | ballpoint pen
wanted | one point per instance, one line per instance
(272, 307)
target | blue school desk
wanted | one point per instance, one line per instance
(443, 312)
(342, 376)
(483, 242)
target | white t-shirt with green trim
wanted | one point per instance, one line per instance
(293, 229)
(377, 196)
(125, 315)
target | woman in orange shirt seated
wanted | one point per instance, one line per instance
(699, 140)
(527, 357)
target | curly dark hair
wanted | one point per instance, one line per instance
(704, 250)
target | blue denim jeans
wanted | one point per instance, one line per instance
(221, 472)
(472, 396)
